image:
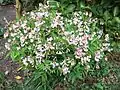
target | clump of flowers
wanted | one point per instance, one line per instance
(47, 40)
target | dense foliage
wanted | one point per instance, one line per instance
(4, 2)
(29, 5)
(71, 48)
(65, 43)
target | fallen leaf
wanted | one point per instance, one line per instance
(18, 77)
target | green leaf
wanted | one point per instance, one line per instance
(107, 15)
(99, 86)
(1, 77)
(53, 4)
(116, 11)
(40, 67)
(15, 55)
(37, 76)
(82, 5)
(44, 77)
(70, 8)
(79, 75)
(117, 19)
(63, 1)
(1, 31)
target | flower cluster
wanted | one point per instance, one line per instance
(106, 44)
(47, 38)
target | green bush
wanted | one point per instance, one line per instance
(51, 45)
(109, 11)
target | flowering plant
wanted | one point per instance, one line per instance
(48, 42)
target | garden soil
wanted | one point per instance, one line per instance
(7, 12)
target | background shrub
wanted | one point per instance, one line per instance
(4, 2)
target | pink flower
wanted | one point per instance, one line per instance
(97, 56)
(79, 53)
(85, 37)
